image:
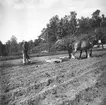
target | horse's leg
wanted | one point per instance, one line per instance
(88, 53)
(80, 53)
(98, 45)
(69, 53)
(24, 58)
(73, 55)
(102, 46)
(27, 57)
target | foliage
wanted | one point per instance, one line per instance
(96, 14)
(103, 21)
(1, 47)
(67, 26)
(70, 25)
(12, 46)
(96, 18)
(37, 41)
(84, 24)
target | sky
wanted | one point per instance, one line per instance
(26, 18)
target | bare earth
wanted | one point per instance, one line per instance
(72, 82)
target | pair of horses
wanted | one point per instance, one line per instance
(78, 45)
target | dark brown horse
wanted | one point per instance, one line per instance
(99, 42)
(77, 45)
(82, 45)
(100, 38)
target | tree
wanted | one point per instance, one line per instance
(62, 27)
(30, 44)
(8, 47)
(49, 34)
(52, 29)
(103, 21)
(96, 19)
(73, 21)
(67, 25)
(1, 49)
(12, 46)
(84, 24)
(4, 50)
(96, 14)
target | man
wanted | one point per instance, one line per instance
(26, 58)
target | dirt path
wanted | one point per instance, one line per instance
(73, 82)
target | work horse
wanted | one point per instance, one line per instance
(99, 42)
(74, 44)
(100, 39)
(82, 45)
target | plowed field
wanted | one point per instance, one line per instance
(72, 82)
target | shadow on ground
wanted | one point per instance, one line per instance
(8, 64)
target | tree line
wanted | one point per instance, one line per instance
(70, 25)
(56, 28)
(12, 47)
